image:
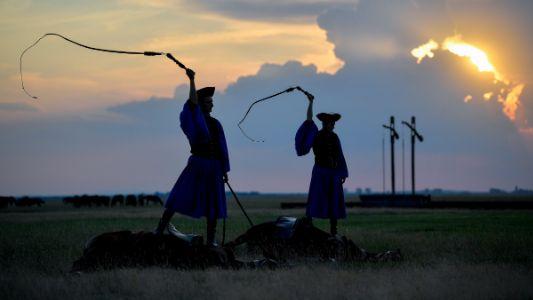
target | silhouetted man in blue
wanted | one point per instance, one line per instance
(199, 190)
(326, 195)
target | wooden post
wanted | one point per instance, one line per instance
(414, 136)
(413, 123)
(392, 138)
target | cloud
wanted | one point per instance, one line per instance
(381, 79)
(289, 11)
(154, 106)
(149, 3)
(15, 106)
(525, 110)
(380, 29)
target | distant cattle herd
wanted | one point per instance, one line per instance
(87, 201)
(129, 200)
(23, 201)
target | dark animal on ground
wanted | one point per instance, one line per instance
(142, 249)
(102, 200)
(76, 201)
(289, 238)
(27, 201)
(151, 198)
(86, 200)
(117, 199)
(131, 200)
(6, 201)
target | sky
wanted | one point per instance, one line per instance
(107, 123)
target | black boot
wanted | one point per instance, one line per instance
(160, 227)
(211, 231)
(164, 222)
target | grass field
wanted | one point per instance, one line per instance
(448, 254)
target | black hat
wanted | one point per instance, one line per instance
(325, 117)
(205, 92)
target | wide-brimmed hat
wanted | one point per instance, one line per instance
(205, 92)
(325, 117)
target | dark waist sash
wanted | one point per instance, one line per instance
(326, 162)
(208, 150)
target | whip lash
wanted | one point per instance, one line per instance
(309, 95)
(145, 53)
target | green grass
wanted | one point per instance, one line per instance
(448, 254)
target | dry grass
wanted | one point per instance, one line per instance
(449, 254)
(442, 281)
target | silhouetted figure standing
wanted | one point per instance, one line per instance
(326, 195)
(199, 190)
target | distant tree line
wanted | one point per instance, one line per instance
(516, 191)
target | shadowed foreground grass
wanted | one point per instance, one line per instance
(448, 253)
(443, 281)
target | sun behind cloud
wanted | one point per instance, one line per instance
(509, 92)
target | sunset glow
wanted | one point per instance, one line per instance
(509, 95)
(476, 56)
(425, 50)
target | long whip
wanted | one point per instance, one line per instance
(145, 53)
(242, 208)
(265, 250)
(239, 203)
(309, 95)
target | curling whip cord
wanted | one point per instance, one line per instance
(309, 95)
(146, 53)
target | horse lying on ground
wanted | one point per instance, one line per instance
(283, 240)
(143, 249)
(289, 238)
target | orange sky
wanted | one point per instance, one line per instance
(71, 79)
